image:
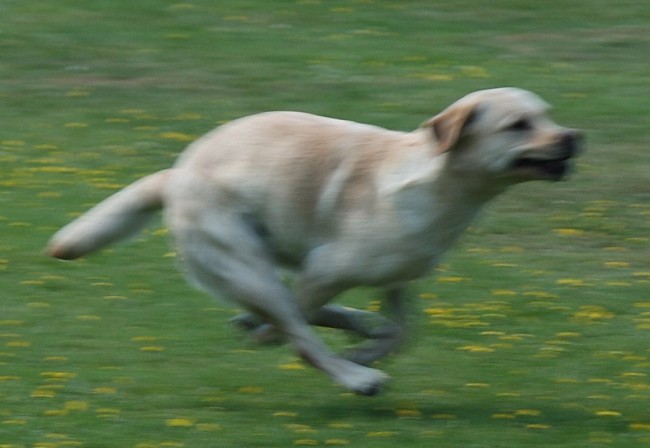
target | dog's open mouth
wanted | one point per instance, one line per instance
(555, 169)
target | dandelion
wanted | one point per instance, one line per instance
(381, 434)
(76, 405)
(569, 232)
(451, 279)
(43, 392)
(152, 348)
(473, 71)
(528, 412)
(285, 414)
(178, 136)
(408, 413)
(58, 376)
(617, 264)
(179, 422)
(476, 349)
(341, 425)
(292, 366)
(14, 422)
(503, 416)
(593, 312)
(607, 413)
(503, 292)
(571, 282)
(300, 429)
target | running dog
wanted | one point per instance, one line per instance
(339, 203)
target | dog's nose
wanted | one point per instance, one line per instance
(571, 142)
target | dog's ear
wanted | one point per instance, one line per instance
(451, 124)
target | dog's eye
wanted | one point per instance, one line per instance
(521, 125)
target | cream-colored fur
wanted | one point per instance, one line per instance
(342, 204)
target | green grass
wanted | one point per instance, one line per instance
(534, 333)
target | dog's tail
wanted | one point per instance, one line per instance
(117, 217)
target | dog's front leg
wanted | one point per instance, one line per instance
(389, 337)
(386, 335)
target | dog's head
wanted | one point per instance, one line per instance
(505, 133)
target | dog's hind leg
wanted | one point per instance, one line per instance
(245, 273)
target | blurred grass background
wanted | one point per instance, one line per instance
(534, 332)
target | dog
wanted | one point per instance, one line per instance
(339, 203)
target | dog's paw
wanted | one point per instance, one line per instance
(363, 380)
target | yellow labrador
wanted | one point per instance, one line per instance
(340, 203)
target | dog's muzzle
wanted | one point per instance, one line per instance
(553, 164)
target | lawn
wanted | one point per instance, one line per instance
(535, 331)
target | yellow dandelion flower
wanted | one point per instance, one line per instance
(306, 442)
(571, 282)
(593, 312)
(88, 317)
(298, 428)
(14, 422)
(55, 413)
(152, 348)
(18, 344)
(528, 412)
(408, 413)
(42, 392)
(178, 136)
(568, 334)
(451, 279)
(292, 366)
(617, 264)
(285, 414)
(606, 413)
(538, 426)
(639, 426)
(179, 422)
(381, 434)
(476, 349)
(341, 425)
(76, 405)
(5, 378)
(503, 416)
(569, 232)
(503, 292)
(473, 71)
(59, 376)
(428, 295)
